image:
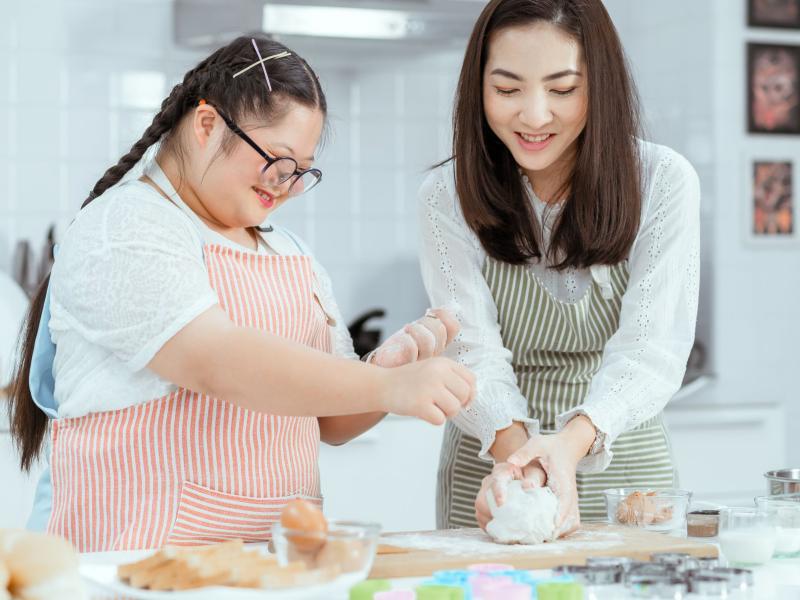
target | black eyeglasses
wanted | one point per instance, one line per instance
(279, 170)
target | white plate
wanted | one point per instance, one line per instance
(100, 572)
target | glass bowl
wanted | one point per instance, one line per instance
(747, 535)
(662, 510)
(785, 511)
(347, 549)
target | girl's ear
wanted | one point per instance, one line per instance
(204, 121)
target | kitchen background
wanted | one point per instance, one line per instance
(81, 79)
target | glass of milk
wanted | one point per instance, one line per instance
(747, 535)
(786, 516)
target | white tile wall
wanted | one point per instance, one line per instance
(757, 287)
(691, 71)
(79, 81)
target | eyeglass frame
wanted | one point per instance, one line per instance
(269, 160)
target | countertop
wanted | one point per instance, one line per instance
(777, 580)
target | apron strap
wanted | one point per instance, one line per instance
(601, 275)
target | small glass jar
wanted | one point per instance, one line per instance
(786, 517)
(747, 535)
(702, 523)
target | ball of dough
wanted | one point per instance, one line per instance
(526, 517)
(4, 578)
(9, 537)
(41, 566)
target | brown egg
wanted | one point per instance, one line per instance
(302, 516)
(348, 555)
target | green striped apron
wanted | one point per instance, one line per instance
(557, 348)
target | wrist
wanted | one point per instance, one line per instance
(579, 435)
(508, 440)
(379, 387)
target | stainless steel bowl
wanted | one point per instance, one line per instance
(783, 481)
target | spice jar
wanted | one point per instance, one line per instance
(702, 523)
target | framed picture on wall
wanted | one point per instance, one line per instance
(773, 13)
(773, 208)
(773, 88)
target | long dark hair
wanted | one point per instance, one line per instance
(247, 95)
(601, 214)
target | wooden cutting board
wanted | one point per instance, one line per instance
(419, 554)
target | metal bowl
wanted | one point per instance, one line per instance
(783, 481)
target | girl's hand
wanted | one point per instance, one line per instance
(497, 481)
(424, 338)
(433, 390)
(559, 454)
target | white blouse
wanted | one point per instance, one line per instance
(643, 363)
(128, 276)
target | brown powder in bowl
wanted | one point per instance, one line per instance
(702, 523)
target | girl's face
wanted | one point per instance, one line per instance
(230, 187)
(535, 95)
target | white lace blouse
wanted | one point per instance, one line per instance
(643, 362)
(129, 275)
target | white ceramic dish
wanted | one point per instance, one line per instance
(103, 578)
(99, 571)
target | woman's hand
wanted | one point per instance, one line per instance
(424, 338)
(496, 483)
(559, 454)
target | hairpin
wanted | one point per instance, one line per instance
(261, 62)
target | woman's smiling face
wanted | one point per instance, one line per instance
(231, 188)
(535, 95)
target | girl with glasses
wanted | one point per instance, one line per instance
(572, 250)
(189, 363)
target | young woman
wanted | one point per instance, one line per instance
(571, 248)
(191, 363)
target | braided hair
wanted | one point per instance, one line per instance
(247, 95)
(291, 77)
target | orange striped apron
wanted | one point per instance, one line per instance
(188, 468)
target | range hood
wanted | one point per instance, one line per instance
(329, 25)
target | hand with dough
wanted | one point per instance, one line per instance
(528, 515)
(559, 454)
(426, 337)
(495, 485)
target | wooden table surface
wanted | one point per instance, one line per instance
(422, 553)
